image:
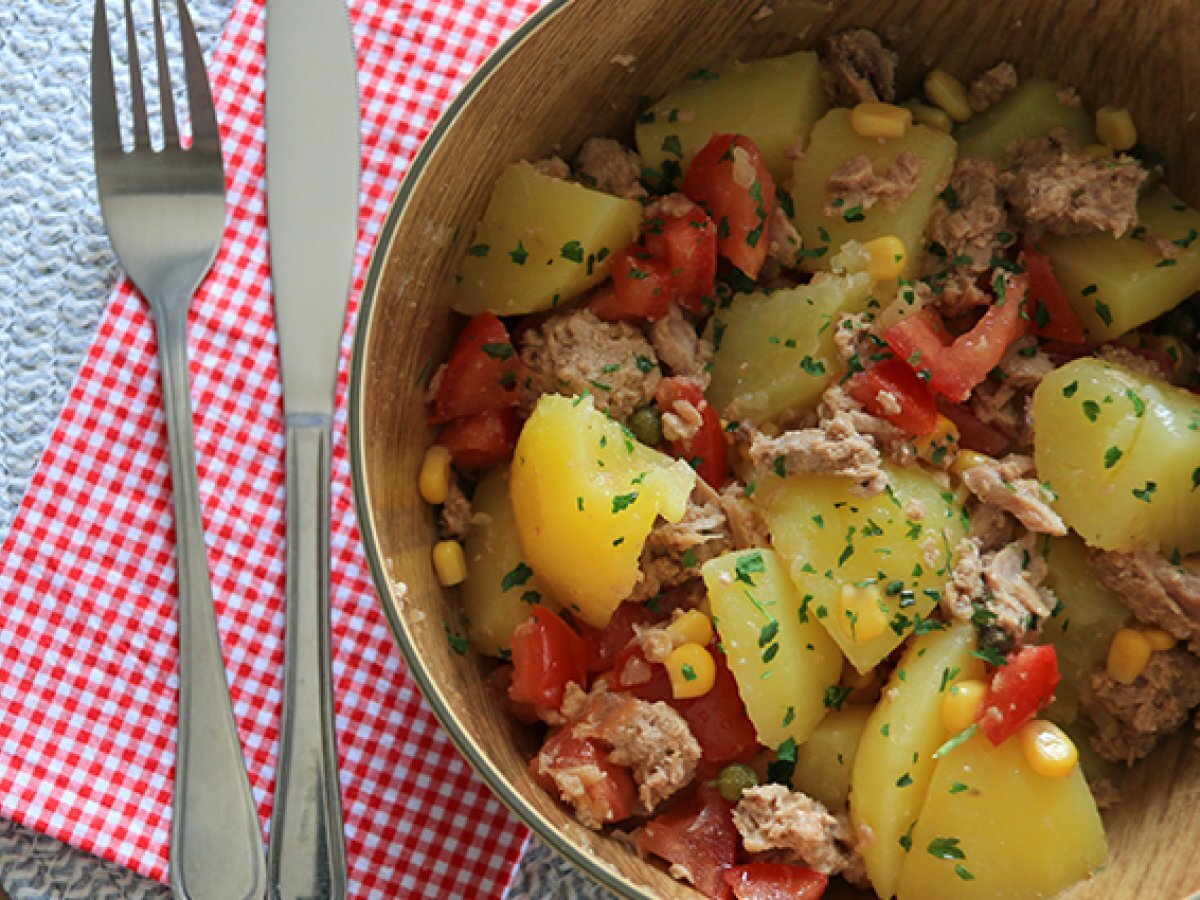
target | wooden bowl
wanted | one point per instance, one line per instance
(561, 79)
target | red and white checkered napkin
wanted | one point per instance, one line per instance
(87, 579)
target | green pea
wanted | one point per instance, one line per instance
(734, 779)
(646, 425)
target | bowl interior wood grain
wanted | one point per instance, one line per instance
(567, 75)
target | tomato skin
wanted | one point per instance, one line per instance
(547, 655)
(706, 451)
(481, 372)
(1046, 294)
(1018, 691)
(483, 440)
(641, 288)
(698, 835)
(613, 792)
(918, 412)
(687, 242)
(775, 881)
(741, 211)
(500, 680)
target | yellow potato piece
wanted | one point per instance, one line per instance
(825, 761)
(835, 540)
(1033, 110)
(773, 101)
(783, 661)
(1117, 284)
(585, 495)
(992, 827)
(895, 755)
(500, 586)
(542, 241)
(833, 143)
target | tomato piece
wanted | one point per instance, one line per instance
(699, 836)
(611, 796)
(918, 412)
(1018, 691)
(730, 180)
(1053, 316)
(973, 432)
(603, 644)
(481, 372)
(706, 451)
(775, 881)
(687, 242)
(500, 680)
(483, 440)
(641, 288)
(547, 655)
(952, 367)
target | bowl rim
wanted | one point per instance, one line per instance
(446, 715)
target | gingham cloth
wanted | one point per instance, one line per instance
(87, 577)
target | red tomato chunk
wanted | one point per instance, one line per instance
(481, 372)
(547, 655)
(1018, 691)
(1053, 316)
(483, 440)
(707, 451)
(698, 836)
(775, 881)
(917, 413)
(611, 795)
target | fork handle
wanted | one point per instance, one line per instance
(307, 857)
(216, 836)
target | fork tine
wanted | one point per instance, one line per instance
(170, 124)
(205, 134)
(141, 131)
(106, 127)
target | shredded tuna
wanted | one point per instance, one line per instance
(769, 818)
(554, 167)
(701, 534)
(608, 166)
(1024, 365)
(1134, 362)
(991, 526)
(1006, 583)
(1162, 247)
(681, 420)
(1132, 718)
(854, 186)
(680, 348)
(1069, 97)
(1055, 188)
(858, 67)
(455, 520)
(1004, 483)
(954, 292)
(783, 240)
(855, 338)
(835, 448)
(892, 441)
(969, 220)
(574, 352)
(1156, 590)
(997, 404)
(746, 527)
(992, 85)
(1105, 793)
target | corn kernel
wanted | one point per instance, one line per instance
(930, 116)
(434, 480)
(887, 257)
(1115, 128)
(1160, 641)
(949, 93)
(692, 627)
(1128, 655)
(968, 459)
(1097, 151)
(962, 703)
(943, 440)
(881, 121)
(1047, 749)
(860, 614)
(449, 563)
(691, 670)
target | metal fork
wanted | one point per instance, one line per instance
(165, 215)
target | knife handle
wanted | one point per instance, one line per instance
(307, 856)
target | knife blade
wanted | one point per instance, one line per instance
(312, 123)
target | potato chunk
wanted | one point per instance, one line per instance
(775, 352)
(782, 660)
(825, 761)
(774, 102)
(1108, 439)
(895, 756)
(500, 587)
(585, 495)
(541, 242)
(992, 827)
(1117, 284)
(1033, 110)
(867, 568)
(833, 143)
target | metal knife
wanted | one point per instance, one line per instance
(312, 123)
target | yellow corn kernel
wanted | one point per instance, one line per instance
(1160, 641)
(1047, 749)
(968, 459)
(449, 563)
(930, 116)
(1115, 128)
(961, 704)
(881, 121)
(949, 93)
(691, 670)
(886, 256)
(1128, 655)
(934, 447)
(434, 480)
(1098, 151)
(860, 614)
(693, 627)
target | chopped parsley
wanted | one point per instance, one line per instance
(747, 565)
(835, 696)
(573, 251)
(946, 848)
(519, 255)
(1146, 492)
(623, 501)
(1111, 456)
(520, 574)
(479, 250)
